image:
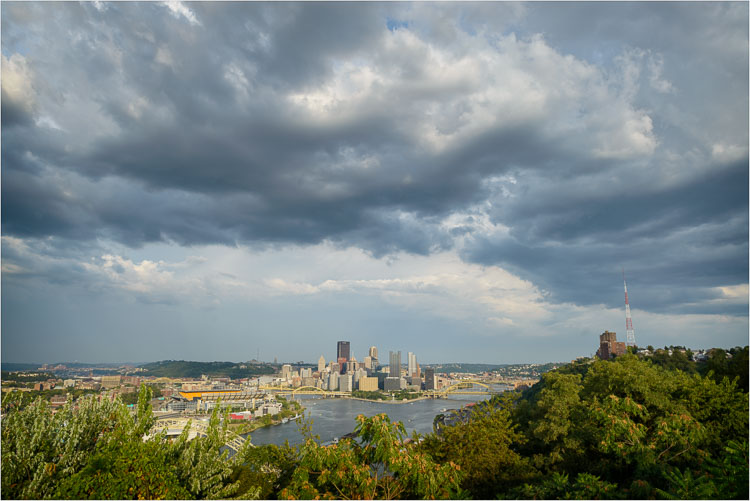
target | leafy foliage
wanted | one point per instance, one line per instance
(484, 450)
(380, 465)
(96, 450)
(627, 428)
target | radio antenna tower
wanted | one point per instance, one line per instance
(630, 339)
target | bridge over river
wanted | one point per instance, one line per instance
(457, 387)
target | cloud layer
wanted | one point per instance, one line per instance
(552, 143)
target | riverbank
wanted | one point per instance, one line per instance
(333, 418)
(290, 411)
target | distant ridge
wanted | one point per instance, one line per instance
(13, 366)
(183, 368)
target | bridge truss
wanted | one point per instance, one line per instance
(175, 426)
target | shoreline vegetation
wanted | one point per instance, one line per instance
(242, 427)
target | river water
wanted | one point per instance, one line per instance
(335, 417)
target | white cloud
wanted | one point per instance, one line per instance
(445, 97)
(178, 9)
(727, 153)
(17, 81)
(164, 56)
(440, 284)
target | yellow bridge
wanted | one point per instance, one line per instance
(463, 387)
(304, 390)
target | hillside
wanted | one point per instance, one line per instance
(187, 369)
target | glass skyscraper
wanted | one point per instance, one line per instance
(395, 364)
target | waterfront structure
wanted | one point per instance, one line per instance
(429, 379)
(268, 409)
(395, 364)
(368, 383)
(321, 364)
(609, 346)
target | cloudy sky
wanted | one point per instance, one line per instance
(214, 181)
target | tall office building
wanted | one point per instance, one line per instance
(429, 379)
(333, 381)
(412, 365)
(342, 354)
(346, 383)
(395, 364)
(343, 350)
(321, 364)
(286, 371)
(373, 353)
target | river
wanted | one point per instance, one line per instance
(335, 417)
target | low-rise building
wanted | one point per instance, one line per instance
(394, 384)
(110, 381)
(268, 408)
(368, 384)
(58, 400)
(180, 405)
(88, 385)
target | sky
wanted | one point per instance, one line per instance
(465, 181)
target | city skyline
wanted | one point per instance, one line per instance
(465, 181)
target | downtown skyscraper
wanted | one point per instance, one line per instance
(395, 364)
(343, 353)
(411, 362)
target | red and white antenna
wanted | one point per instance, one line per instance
(630, 339)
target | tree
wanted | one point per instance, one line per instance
(649, 428)
(552, 426)
(483, 447)
(378, 465)
(96, 449)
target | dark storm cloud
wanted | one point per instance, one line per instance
(140, 125)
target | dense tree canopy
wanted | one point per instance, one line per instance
(626, 428)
